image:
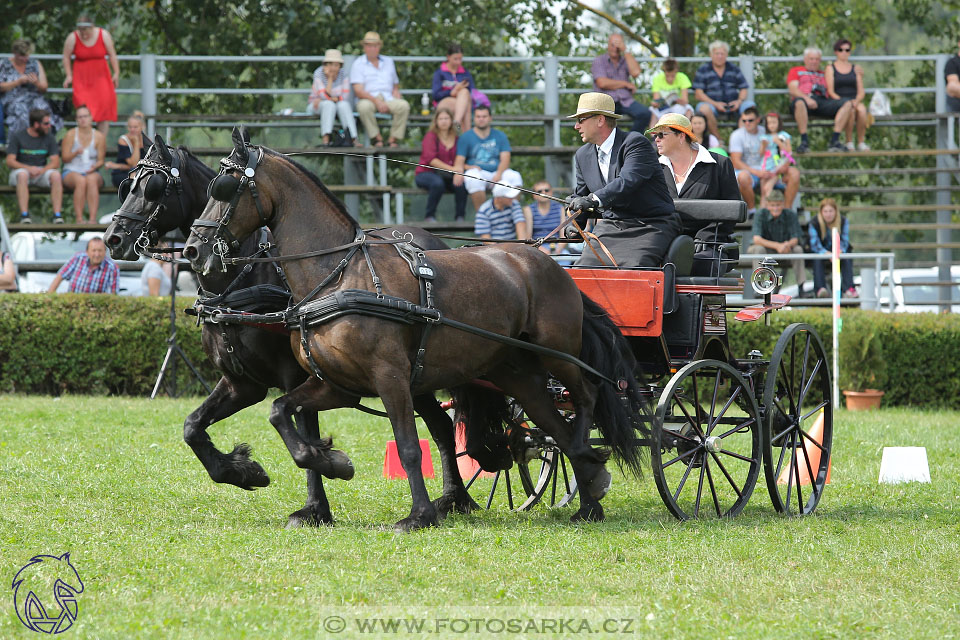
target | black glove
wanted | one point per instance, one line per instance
(581, 203)
(570, 232)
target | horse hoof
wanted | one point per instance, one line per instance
(412, 523)
(588, 513)
(459, 501)
(334, 464)
(308, 518)
(598, 487)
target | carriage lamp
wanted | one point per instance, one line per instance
(765, 280)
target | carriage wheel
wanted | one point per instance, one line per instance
(546, 474)
(798, 421)
(705, 444)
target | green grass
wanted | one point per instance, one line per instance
(166, 553)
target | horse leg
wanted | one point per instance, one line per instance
(311, 396)
(236, 467)
(530, 390)
(399, 406)
(316, 511)
(455, 496)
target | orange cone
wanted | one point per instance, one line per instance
(391, 461)
(808, 450)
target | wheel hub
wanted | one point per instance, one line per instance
(713, 444)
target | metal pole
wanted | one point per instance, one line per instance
(551, 107)
(746, 66)
(835, 263)
(944, 179)
(148, 91)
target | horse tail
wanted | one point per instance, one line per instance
(482, 413)
(619, 412)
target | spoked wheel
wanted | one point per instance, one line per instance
(798, 421)
(544, 473)
(706, 441)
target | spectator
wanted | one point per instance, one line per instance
(845, 82)
(745, 153)
(483, 152)
(691, 171)
(614, 74)
(821, 241)
(808, 96)
(776, 148)
(439, 149)
(155, 277)
(83, 151)
(501, 217)
(545, 215)
(8, 274)
(952, 73)
(33, 158)
(93, 85)
(454, 89)
(89, 272)
(698, 124)
(670, 91)
(377, 88)
(619, 179)
(720, 88)
(22, 85)
(330, 95)
(130, 149)
(777, 230)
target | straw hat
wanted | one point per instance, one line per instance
(673, 121)
(333, 55)
(371, 37)
(595, 103)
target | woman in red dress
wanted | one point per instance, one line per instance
(91, 79)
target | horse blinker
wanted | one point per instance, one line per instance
(224, 187)
(155, 188)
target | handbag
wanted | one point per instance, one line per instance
(480, 99)
(62, 108)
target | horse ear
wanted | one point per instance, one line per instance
(158, 140)
(240, 138)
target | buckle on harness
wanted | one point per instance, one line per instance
(425, 272)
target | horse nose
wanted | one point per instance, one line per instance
(190, 252)
(113, 240)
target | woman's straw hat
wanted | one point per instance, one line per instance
(673, 121)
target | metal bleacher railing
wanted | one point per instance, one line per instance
(543, 84)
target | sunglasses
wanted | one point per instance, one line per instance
(543, 190)
(659, 135)
(585, 118)
(748, 120)
(845, 49)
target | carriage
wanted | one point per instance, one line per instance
(714, 420)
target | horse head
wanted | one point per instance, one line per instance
(161, 194)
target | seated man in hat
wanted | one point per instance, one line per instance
(619, 180)
(377, 88)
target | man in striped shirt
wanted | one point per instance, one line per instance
(501, 217)
(90, 272)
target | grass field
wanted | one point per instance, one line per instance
(166, 553)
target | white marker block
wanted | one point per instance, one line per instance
(904, 464)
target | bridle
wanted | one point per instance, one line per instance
(160, 180)
(227, 188)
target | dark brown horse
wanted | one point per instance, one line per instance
(511, 290)
(253, 360)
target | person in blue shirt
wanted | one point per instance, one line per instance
(483, 152)
(501, 217)
(544, 215)
(821, 241)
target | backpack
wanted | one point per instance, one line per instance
(340, 137)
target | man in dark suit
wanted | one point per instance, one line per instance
(619, 180)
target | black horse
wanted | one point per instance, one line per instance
(168, 191)
(510, 290)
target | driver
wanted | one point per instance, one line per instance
(619, 180)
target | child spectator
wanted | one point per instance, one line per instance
(775, 145)
(439, 149)
(330, 95)
(501, 217)
(454, 89)
(698, 124)
(821, 241)
(545, 214)
(670, 91)
(845, 82)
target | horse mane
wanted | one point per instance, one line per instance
(342, 208)
(201, 165)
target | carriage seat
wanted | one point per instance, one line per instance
(711, 210)
(680, 254)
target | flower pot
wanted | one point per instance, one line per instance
(863, 400)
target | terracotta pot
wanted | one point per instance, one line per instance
(863, 400)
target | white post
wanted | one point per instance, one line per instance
(835, 263)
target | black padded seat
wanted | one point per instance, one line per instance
(680, 254)
(711, 210)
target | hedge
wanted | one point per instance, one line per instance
(93, 344)
(53, 344)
